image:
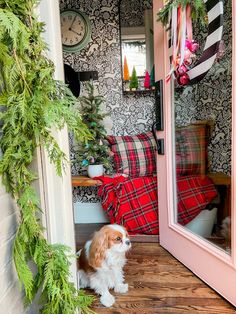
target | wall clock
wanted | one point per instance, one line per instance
(75, 30)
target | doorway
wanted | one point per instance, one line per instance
(129, 113)
(110, 74)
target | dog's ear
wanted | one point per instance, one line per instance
(98, 248)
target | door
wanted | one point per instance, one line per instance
(196, 173)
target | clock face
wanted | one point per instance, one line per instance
(74, 29)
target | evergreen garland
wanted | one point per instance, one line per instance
(198, 10)
(33, 104)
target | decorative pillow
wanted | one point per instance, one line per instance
(191, 149)
(134, 155)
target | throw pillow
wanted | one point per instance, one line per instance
(134, 155)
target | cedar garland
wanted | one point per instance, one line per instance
(32, 103)
(198, 10)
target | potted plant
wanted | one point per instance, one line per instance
(94, 154)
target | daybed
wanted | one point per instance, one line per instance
(130, 198)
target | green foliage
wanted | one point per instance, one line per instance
(95, 151)
(198, 10)
(133, 79)
(32, 104)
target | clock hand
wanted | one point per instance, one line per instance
(72, 23)
(75, 32)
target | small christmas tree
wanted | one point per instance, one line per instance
(133, 80)
(152, 77)
(147, 80)
(94, 151)
(126, 70)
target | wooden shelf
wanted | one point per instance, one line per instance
(84, 181)
(139, 91)
(219, 178)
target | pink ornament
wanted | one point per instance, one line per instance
(195, 47)
(92, 160)
(188, 62)
(188, 44)
(187, 54)
(182, 69)
(184, 79)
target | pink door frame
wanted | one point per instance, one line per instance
(211, 264)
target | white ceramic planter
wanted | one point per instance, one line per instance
(203, 223)
(95, 170)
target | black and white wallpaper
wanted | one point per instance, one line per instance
(129, 114)
(132, 114)
(132, 12)
(211, 99)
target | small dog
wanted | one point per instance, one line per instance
(101, 262)
(226, 232)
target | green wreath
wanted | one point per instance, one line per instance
(198, 10)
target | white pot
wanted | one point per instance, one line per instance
(203, 223)
(95, 170)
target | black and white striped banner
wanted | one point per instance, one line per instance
(214, 10)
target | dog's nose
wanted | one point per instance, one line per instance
(127, 242)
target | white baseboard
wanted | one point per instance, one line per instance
(89, 213)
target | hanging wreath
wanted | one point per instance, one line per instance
(179, 15)
(198, 10)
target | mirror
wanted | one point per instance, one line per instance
(137, 53)
(202, 116)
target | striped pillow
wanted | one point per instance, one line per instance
(191, 149)
(134, 155)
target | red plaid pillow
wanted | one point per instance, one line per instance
(134, 155)
(191, 149)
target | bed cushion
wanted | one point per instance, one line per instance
(133, 202)
(134, 155)
(191, 149)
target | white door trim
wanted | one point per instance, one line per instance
(57, 192)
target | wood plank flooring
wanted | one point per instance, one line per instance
(158, 283)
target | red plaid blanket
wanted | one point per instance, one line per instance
(133, 202)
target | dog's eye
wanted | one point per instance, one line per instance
(118, 238)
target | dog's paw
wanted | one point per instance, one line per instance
(107, 300)
(122, 288)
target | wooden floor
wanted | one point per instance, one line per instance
(158, 283)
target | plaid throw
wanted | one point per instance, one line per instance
(194, 194)
(134, 155)
(191, 150)
(133, 203)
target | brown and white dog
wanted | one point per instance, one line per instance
(226, 232)
(101, 262)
